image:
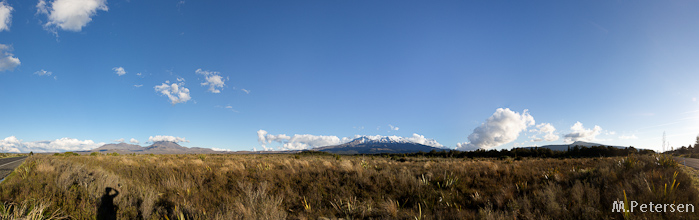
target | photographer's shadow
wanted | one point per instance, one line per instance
(107, 210)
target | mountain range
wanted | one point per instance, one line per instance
(361, 145)
(159, 147)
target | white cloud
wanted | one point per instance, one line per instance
(70, 15)
(12, 144)
(261, 136)
(213, 80)
(277, 138)
(296, 142)
(43, 72)
(465, 146)
(134, 141)
(416, 138)
(262, 139)
(5, 16)
(626, 137)
(547, 129)
(119, 71)
(308, 141)
(138, 86)
(118, 140)
(220, 149)
(176, 92)
(246, 91)
(580, 133)
(231, 108)
(139, 74)
(503, 127)
(7, 59)
(393, 128)
(63, 144)
(166, 138)
(551, 137)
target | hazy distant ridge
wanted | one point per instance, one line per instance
(159, 147)
(564, 147)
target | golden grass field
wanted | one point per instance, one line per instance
(288, 186)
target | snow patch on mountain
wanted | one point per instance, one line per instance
(416, 138)
(308, 141)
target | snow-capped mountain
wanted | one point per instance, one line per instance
(416, 139)
(383, 144)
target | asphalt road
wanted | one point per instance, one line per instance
(690, 162)
(7, 165)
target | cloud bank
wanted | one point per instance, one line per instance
(14, 145)
(134, 141)
(166, 138)
(213, 80)
(177, 93)
(503, 127)
(5, 16)
(580, 133)
(7, 59)
(70, 15)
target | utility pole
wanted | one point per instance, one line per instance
(664, 142)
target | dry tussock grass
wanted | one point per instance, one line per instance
(369, 187)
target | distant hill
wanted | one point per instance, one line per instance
(159, 147)
(120, 147)
(564, 147)
(366, 145)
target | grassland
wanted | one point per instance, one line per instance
(350, 187)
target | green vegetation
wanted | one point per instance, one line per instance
(6, 155)
(518, 153)
(686, 151)
(314, 185)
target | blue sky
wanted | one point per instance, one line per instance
(300, 74)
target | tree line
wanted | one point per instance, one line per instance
(689, 150)
(531, 152)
